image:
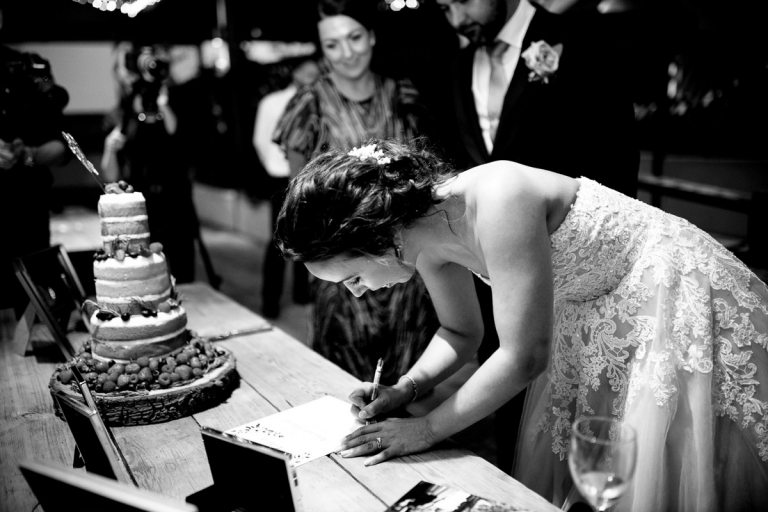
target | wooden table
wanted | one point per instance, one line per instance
(277, 372)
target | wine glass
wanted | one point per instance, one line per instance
(602, 458)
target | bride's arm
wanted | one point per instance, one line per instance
(452, 291)
(512, 232)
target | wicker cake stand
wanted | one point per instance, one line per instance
(125, 408)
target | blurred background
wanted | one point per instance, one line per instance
(698, 76)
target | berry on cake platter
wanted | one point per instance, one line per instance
(150, 390)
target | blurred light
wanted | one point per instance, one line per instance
(217, 42)
(129, 7)
(398, 5)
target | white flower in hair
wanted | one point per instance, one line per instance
(370, 151)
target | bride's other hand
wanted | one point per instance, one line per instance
(395, 436)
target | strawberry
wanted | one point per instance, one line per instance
(132, 368)
(123, 381)
(108, 386)
(184, 371)
(65, 376)
(145, 375)
(143, 361)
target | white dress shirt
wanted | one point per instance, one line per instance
(511, 33)
(270, 109)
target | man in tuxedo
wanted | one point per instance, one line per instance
(545, 91)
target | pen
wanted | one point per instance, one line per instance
(376, 378)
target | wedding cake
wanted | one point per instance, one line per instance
(137, 313)
(141, 362)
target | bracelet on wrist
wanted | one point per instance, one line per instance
(415, 387)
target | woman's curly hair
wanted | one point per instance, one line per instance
(342, 205)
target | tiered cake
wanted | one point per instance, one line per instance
(142, 364)
(138, 315)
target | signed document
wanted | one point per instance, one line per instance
(307, 431)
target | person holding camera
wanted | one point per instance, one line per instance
(31, 122)
(148, 146)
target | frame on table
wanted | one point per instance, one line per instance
(51, 283)
(61, 489)
(95, 448)
(263, 479)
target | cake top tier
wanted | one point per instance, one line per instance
(122, 205)
(124, 222)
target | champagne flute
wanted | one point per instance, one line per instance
(601, 458)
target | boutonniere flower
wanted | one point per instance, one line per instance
(543, 61)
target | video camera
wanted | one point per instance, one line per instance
(149, 63)
(28, 91)
(152, 67)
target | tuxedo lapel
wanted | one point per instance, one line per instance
(466, 112)
(542, 27)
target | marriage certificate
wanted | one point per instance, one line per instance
(307, 431)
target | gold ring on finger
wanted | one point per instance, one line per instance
(378, 442)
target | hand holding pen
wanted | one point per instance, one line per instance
(376, 379)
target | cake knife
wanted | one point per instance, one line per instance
(236, 332)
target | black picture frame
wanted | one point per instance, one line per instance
(263, 478)
(55, 292)
(61, 489)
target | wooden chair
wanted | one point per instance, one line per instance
(55, 292)
(61, 489)
(95, 448)
(262, 479)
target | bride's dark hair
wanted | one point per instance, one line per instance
(340, 204)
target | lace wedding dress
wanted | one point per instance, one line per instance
(658, 324)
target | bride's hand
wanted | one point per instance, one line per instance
(387, 439)
(388, 398)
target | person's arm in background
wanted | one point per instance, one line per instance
(16, 152)
(268, 113)
(113, 143)
(169, 117)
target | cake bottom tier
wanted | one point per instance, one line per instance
(126, 351)
(160, 405)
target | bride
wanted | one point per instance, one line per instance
(604, 305)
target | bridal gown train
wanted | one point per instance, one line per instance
(658, 324)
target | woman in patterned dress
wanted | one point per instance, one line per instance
(604, 306)
(345, 107)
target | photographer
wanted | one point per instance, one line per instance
(31, 123)
(150, 148)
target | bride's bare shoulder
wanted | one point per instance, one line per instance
(503, 179)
